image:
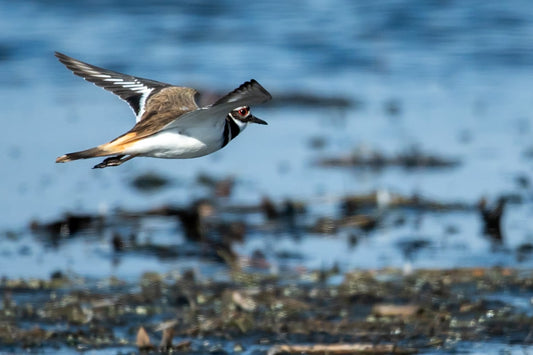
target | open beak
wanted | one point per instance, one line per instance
(254, 119)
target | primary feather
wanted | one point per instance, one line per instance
(132, 89)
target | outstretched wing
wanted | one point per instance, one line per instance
(135, 91)
(249, 93)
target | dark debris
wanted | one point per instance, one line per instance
(426, 309)
(410, 159)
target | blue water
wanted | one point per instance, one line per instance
(461, 73)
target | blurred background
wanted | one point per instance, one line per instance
(425, 101)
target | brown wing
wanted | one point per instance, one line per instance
(162, 107)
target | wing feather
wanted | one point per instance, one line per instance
(164, 107)
(134, 90)
(248, 93)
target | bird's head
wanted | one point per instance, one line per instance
(242, 116)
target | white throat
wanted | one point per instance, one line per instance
(241, 124)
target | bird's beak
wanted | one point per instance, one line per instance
(254, 119)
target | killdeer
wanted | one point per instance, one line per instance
(169, 122)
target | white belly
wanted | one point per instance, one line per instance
(173, 145)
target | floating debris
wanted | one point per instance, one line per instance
(168, 333)
(410, 247)
(522, 181)
(328, 225)
(394, 310)
(117, 243)
(311, 100)
(219, 225)
(524, 251)
(359, 348)
(143, 340)
(220, 187)
(68, 226)
(287, 210)
(393, 107)
(150, 182)
(492, 217)
(244, 302)
(410, 159)
(382, 199)
(317, 142)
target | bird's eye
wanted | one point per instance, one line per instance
(243, 111)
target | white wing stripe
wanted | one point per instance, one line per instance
(133, 85)
(142, 103)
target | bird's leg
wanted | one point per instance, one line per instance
(113, 161)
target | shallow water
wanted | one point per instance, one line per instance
(459, 75)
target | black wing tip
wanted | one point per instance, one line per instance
(62, 57)
(252, 87)
(69, 62)
(254, 83)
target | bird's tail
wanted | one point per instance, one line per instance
(116, 146)
(84, 154)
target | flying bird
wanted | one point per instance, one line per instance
(169, 122)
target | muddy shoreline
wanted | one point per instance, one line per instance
(412, 312)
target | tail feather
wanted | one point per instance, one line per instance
(84, 154)
(116, 146)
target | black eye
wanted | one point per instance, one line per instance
(243, 111)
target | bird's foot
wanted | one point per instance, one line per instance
(111, 161)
